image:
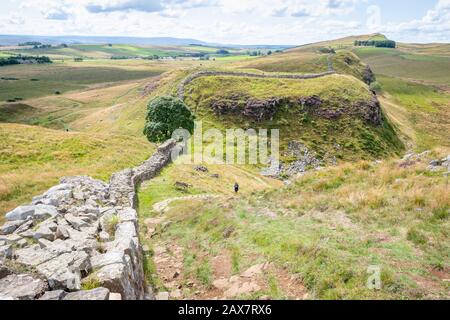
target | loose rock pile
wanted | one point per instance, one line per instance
(80, 233)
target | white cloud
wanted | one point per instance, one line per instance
(229, 21)
(56, 14)
(99, 6)
(373, 18)
(16, 19)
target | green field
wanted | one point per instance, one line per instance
(41, 80)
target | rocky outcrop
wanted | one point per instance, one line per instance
(368, 75)
(367, 110)
(255, 109)
(81, 231)
(370, 111)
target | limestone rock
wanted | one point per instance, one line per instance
(46, 231)
(43, 212)
(62, 232)
(102, 260)
(54, 295)
(57, 198)
(20, 213)
(76, 222)
(24, 227)
(10, 227)
(95, 294)
(22, 287)
(64, 271)
(6, 252)
(34, 255)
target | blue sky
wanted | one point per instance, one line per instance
(231, 21)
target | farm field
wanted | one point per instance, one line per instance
(423, 67)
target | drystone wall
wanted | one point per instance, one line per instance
(79, 240)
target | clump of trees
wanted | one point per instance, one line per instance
(222, 51)
(376, 43)
(24, 59)
(165, 115)
(78, 59)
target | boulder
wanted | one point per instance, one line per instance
(10, 227)
(46, 231)
(64, 271)
(34, 255)
(22, 287)
(24, 227)
(56, 198)
(20, 213)
(43, 212)
(76, 222)
(62, 232)
(95, 294)
(102, 260)
(201, 169)
(116, 277)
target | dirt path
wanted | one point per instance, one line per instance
(163, 206)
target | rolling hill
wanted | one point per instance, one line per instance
(308, 234)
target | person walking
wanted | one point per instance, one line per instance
(236, 187)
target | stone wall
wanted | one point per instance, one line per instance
(80, 234)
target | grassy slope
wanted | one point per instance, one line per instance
(407, 65)
(108, 119)
(33, 158)
(415, 80)
(330, 225)
(63, 77)
(356, 138)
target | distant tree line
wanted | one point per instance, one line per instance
(42, 46)
(30, 43)
(24, 59)
(376, 43)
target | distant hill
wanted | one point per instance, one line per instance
(16, 39)
(12, 40)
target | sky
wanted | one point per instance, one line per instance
(291, 22)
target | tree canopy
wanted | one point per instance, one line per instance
(164, 116)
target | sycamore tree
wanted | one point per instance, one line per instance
(164, 116)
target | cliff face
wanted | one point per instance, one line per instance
(259, 110)
(81, 233)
